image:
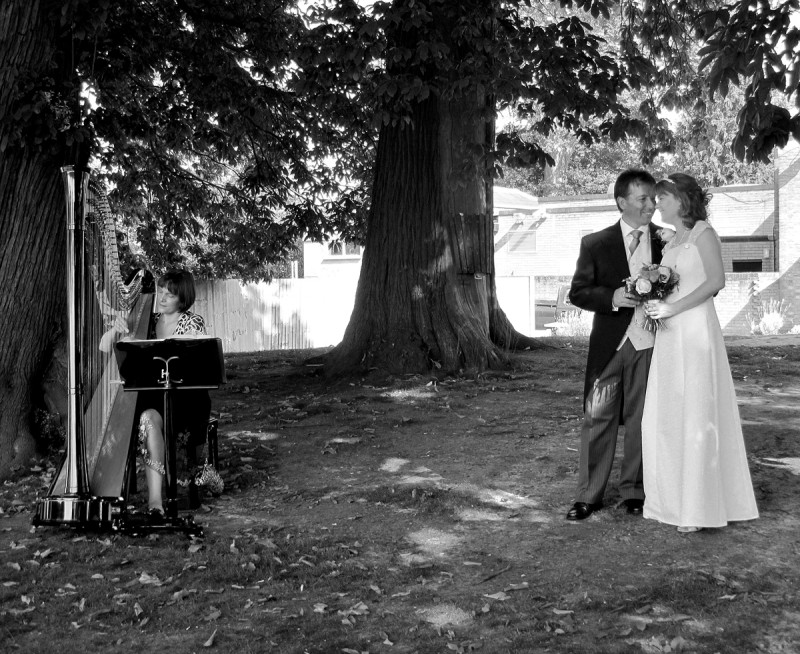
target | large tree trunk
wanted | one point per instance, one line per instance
(425, 296)
(32, 236)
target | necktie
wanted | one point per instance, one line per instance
(635, 236)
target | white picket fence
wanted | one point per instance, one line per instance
(306, 313)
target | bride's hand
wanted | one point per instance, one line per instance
(658, 310)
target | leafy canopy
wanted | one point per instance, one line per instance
(232, 128)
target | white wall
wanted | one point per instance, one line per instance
(305, 313)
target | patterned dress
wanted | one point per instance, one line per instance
(191, 409)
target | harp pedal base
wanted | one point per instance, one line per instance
(76, 511)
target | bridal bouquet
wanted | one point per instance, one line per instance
(652, 282)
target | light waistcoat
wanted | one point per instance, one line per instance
(640, 338)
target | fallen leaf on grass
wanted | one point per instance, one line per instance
(523, 586)
(149, 580)
(679, 643)
(357, 609)
(499, 596)
(183, 594)
(138, 610)
(210, 641)
(563, 612)
(14, 566)
(214, 614)
(678, 617)
(267, 542)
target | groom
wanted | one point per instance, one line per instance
(619, 348)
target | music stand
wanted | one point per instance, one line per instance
(171, 365)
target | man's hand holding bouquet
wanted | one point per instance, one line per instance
(651, 282)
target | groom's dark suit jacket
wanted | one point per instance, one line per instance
(602, 265)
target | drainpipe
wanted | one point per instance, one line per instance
(776, 230)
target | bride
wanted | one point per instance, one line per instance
(695, 464)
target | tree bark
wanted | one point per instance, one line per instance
(32, 237)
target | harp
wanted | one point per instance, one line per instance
(90, 487)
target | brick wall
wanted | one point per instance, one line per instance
(759, 223)
(788, 161)
(759, 251)
(736, 212)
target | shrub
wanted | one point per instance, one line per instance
(574, 323)
(772, 317)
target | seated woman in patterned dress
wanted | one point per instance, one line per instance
(191, 409)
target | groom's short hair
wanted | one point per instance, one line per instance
(627, 179)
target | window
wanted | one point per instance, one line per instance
(522, 239)
(344, 249)
(752, 265)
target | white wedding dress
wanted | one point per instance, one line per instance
(695, 464)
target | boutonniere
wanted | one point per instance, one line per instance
(665, 235)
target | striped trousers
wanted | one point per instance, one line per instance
(618, 391)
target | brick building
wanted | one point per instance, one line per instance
(759, 226)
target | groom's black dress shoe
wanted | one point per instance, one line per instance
(634, 506)
(582, 510)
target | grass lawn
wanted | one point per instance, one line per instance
(415, 514)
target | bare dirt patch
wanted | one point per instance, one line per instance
(421, 515)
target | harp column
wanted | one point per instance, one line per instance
(75, 188)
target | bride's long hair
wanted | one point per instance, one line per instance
(694, 199)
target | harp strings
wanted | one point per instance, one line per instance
(106, 299)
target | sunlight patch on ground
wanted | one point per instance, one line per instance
(445, 614)
(497, 497)
(409, 393)
(393, 464)
(792, 464)
(480, 515)
(340, 440)
(260, 435)
(434, 542)
(487, 515)
(416, 480)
